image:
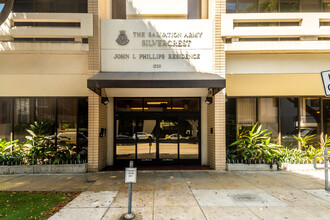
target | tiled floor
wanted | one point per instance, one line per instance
(186, 194)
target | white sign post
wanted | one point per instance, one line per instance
(326, 82)
(130, 177)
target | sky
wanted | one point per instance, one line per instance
(1, 7)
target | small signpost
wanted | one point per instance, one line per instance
(130, 178)
(326, 82)
(326, 158)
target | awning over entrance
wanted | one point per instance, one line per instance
(155, 80)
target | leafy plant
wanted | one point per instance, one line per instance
(10, 151)
(255, 144)
(325, 142)
(305, 142)
(39, 148)
(292, 155)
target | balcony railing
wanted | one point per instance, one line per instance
(47, 25)
(276, 31)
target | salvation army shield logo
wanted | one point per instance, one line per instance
(5, 9)
(122, 38)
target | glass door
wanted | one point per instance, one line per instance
(146, 136)
(158, 140)
(188, 140)
(168, 141)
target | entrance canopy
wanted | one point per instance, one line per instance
(155, 80)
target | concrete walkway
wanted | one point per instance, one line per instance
(186, 194)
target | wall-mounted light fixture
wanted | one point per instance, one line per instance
(104, 100)
(208, 100)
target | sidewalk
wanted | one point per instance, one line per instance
(186, 194)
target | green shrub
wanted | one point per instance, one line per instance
(255, 144)
(38, 148)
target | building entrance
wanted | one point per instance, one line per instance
(157, 138)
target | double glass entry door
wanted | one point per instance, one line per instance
(157, 141)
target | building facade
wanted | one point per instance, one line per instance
(275, 52)
(132, 80)
(163, 82)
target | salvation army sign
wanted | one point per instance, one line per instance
(156, 45)
(5, 9)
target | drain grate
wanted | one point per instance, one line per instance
(246, 197)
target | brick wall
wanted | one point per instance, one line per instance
(97, 112)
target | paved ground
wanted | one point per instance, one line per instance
(186, 194)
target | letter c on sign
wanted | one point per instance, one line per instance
(329, 86)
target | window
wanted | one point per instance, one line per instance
(66, 117)
(310, 5)
(119, 8)
(289, 6)
(157, 104)
(247, 6)
(311, 117)
(67, 121)
(6, 112)
(194, 9)
(268, 115)
(326, 5)
(59, 6)
(23, 117)
(268, 6)
(230, 121)
(246, 112)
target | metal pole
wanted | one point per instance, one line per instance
(129, 214)
(326, 162)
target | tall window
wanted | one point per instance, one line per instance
(268, 115)
(230, 121)
(311, 117)
(246, 111)
(24, 110)
(6, 112)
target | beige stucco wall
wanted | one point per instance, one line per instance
(43, 74)
(309, 84)
(275, 74)
(277, 63)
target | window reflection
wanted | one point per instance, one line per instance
(289, 121)
(311, 118)
(6, 112)
(268, 115)
(67, 121)
(23, 117)
(157, 104)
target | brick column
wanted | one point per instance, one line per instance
(97, 112)
(216, 112)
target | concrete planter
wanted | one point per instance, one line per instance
(250, 167)
(297, 167)
(35, 169)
